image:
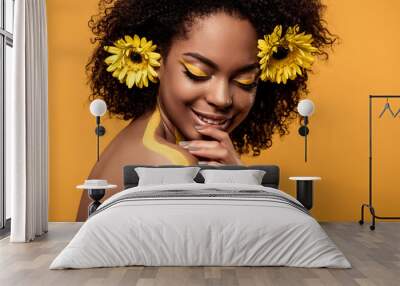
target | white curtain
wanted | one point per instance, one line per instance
(27, 124)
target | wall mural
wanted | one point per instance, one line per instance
(200, 81)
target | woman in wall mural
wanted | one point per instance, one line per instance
(200, 81)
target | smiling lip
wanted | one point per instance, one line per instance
(207, 119)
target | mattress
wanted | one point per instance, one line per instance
(201, 225)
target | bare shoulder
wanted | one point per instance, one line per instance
(127, 148)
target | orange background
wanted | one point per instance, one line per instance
(365, 62)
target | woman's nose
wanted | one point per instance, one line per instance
(220, 95)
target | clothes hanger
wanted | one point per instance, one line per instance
(397, 113)
(387, 107)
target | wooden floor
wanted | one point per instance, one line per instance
(375, 257)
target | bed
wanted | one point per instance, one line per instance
(201, 224)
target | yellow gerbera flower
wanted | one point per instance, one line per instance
(282, 58)
(133, 61)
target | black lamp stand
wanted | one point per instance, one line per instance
(303, 131)
(100, 131)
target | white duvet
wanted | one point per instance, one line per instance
(200, 231)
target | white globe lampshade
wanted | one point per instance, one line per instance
(98, 107)
(306, 107)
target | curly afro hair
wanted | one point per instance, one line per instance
(166, 20)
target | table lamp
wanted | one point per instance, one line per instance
(98, 108)
(306, 109)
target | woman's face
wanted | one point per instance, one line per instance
(210, 77)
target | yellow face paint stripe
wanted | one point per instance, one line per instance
(151, 143)
(178, 137)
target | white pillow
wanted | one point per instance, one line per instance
(248, 177)
(162, 176)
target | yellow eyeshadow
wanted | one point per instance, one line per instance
(245, 81)
(194, 70)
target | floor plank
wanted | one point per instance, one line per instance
(374, 255)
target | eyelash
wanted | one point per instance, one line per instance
(247, 87)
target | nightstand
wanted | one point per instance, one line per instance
(304, 190)
(96, 191)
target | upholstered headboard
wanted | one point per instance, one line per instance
(270, 179)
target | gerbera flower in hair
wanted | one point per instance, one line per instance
(133, 61)
(284, 57)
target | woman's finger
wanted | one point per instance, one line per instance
(213, 132)
(212, 154)
(217, 154)
(197, 144)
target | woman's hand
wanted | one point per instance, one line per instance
(215, 152)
